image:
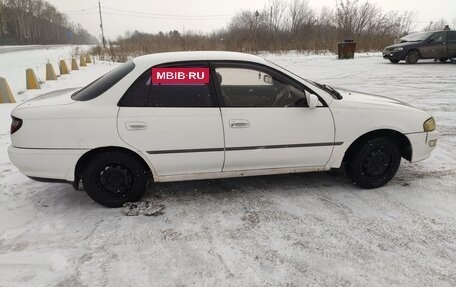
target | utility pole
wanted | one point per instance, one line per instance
(101, 25)
(270, 20)
(256, 29)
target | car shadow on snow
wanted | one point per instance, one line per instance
(423, 62)
(231, 187)
(56, 196)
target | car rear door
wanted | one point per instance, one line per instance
(178, 127)
(266, 121)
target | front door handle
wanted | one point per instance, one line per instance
(135, 126)
(239, 123)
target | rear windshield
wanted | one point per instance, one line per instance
(102, 84)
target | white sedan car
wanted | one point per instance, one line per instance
(251, 117)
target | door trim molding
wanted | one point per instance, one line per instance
(245, 148)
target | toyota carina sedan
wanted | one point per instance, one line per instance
(200, 115)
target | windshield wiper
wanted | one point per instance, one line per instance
(328, 89)
(333, 91)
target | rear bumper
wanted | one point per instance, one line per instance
(422, 144)
(51, 164)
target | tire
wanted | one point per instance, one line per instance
(443, 60)
(374, 163)
(412, 57)
(394, 61)
(114, 178)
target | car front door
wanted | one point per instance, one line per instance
(435, 46)
(267, 122)
(178, 127)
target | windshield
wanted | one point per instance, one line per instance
(416, 37)
(104, 83)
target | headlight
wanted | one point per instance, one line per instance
(398, 49)
(429, 125)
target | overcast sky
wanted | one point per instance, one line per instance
(204, 15)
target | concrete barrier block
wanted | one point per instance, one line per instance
(74, 65)
(32, 81)
(88, 59)
(82, 61)
(6, 96)
(50, 73)
(63, 67)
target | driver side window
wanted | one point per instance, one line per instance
(438, 37)
(248, 87)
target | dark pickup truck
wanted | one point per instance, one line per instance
(427, 45)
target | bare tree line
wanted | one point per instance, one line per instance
(38, 22)
(296, 26)
(279, 26)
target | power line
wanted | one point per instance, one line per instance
(79, 10)
(176, 16)
(163, 18)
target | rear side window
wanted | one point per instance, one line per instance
(451, 35)
(104, 83)
(144, 93)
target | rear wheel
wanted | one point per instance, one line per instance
(412, 57)
(114, 178)
(374, 163)
(394, 61)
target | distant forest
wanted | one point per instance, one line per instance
(279, 27)
(38, 22)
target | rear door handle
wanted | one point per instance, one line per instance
(239, 124)
(135, 126)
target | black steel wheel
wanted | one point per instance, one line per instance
(373, 163)
(412, 57)
(114, 178)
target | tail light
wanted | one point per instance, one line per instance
(16, 124)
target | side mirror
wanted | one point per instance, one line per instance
(312, 100)
(430, 40)
(267, 79)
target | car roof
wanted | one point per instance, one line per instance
(167, 57)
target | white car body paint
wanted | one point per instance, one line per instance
(57, 131)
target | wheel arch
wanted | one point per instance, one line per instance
(401, 140)
(85, 158)
(414, 49)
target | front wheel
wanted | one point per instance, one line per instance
(374, 163)
(114, 178)
(412, 57)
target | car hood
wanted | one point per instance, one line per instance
(363, 100)
(403, 44)
(54, 98)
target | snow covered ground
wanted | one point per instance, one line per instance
(286, 230)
